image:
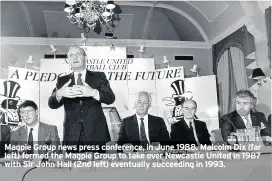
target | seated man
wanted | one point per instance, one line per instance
(243, 117)
(4, 138)
(188, 130)
(142, 128)
(34, 131)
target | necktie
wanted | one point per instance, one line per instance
(192, 133)
(248, 125)
(79, 82)
(79, 79)
(191, 126)
(143, 138)
(30, 142)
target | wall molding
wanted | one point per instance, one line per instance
(264, 4)
(172, 8)
(103, 42)
(27, 19)
(230, 30)
(187, 16)
(210, 20)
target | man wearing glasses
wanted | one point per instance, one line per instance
(82, 92)
(34, 133)
(188, 130)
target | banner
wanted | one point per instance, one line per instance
(167, 88)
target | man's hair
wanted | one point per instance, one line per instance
(244, 93)
(81, 49)
(146, 94)
(27, 103)
(189, 100)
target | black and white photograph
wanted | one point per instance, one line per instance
(138, 90)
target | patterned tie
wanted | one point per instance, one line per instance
(143, 138)
(191, 126)
(248, 125)
(79, 80)
(30, 142)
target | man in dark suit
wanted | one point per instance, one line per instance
(4, 138)
(82, 92)
(243, 117)
(143, 128)
(188, 130)
(34, 131)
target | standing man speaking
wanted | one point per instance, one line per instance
(82, 92)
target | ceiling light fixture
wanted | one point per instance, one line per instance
(92, 14)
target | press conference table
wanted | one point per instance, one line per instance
(235, 170)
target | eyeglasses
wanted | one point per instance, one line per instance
(75, 55)
(189, 109)
(27, 111)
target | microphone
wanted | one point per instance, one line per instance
(47, 142)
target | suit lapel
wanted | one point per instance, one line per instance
(151, 130)
(89, 78)
(182, 121)
(239, 121)
(135, 128)
(23, 134)
(72, 77)
(254, 119)
(198, 129)
(41, 133)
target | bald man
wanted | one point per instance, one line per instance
(188, 130)
(143, 128)
(82, 92)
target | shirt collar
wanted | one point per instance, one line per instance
(145, 117)
(83, 73)
(188, 122)
(36, 127)
(246, 117)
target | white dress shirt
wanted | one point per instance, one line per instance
(245, 120)
(83, 75)
(194, 130)
(145, 124)
(35, 131)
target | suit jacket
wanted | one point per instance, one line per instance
(232, 121)
(180, 133)
(47, 135)
(89, 113)
(5, 137)
(129, 130)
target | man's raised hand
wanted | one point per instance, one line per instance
(68, 92)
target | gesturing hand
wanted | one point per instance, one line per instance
(68, 92)
(86, 90)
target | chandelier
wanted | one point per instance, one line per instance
(92, 14)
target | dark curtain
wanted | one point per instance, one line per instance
(268, 30)
(232, 83)
(241, 39)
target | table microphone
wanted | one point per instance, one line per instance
(48, 142)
